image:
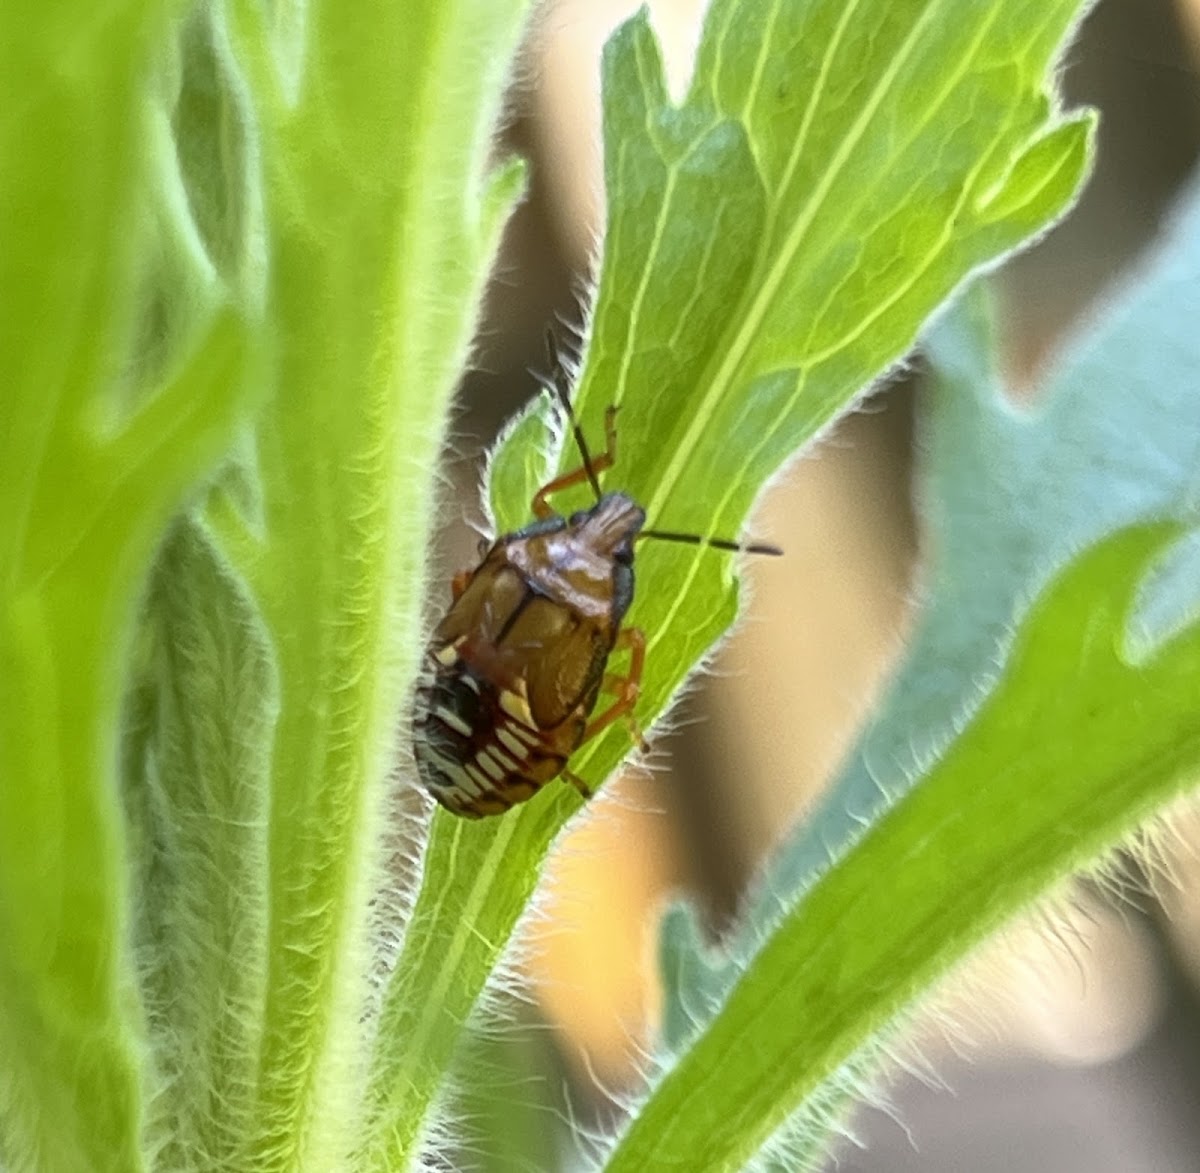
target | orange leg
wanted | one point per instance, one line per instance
(606, 459)
(625, 688)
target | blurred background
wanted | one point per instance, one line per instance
(1075, 1045)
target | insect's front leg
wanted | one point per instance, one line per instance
(626, 688)
(541, 507)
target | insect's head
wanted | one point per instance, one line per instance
(610, 526)
(616, 520)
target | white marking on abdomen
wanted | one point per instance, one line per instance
(511, 741)
(453, 720)
(510, 764)
(459, 777)
(479, 780)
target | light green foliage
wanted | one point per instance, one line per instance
(1009, 494)
(773, 244)
(209, 207)
(98, 444)
(383, 229)
(1090, 727)
(252, 242)
(1044, 778)
(197, 761)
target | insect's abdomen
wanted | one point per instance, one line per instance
(475, 756)
(510, 679)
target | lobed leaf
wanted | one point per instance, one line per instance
(1010, 497)
(773, 243)
(1044, 778)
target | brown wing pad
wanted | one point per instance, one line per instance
(485, 602)
(565, 674)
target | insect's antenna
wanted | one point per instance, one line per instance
(717, 543)
(561, 383)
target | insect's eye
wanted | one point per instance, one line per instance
(579, 517)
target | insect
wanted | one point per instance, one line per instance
(513, 673)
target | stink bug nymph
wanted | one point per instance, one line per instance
(515, 669)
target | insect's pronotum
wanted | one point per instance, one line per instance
(513, 673)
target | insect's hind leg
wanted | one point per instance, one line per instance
(626, 688)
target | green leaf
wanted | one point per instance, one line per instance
(198, 797)
(296, 164)
(339, 169)
(1009, 497)
(478, 880)
(97, 449)
(514, 1110)
(1044, 778)
(751, 318)
(1010, 494)
(773, 244)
